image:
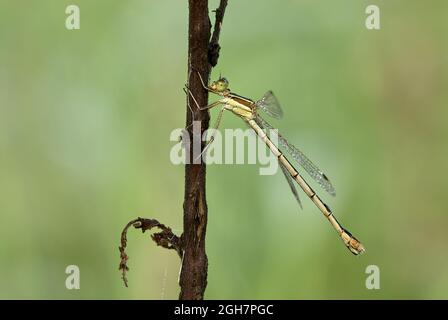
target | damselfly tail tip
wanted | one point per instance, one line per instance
(358, 250)
(356, 247)
(352, 243)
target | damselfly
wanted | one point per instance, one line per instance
(247, 110)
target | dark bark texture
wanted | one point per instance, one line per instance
(203, 53)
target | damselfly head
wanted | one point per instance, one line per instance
(220, 85)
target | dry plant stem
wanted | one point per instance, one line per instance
(165, 238)
(214, 47)
(202, 56)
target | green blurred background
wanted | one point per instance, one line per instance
(85, 119)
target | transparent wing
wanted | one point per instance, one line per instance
(303, 160)
(269, 104)
(287, 176)
(291, 183)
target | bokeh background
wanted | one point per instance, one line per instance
(85, 119)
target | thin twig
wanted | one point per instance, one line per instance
(214, 47)
(166, 238)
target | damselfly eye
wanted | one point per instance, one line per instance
(224, 83)
(220, 85)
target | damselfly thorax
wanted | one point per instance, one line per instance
(240, 106)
